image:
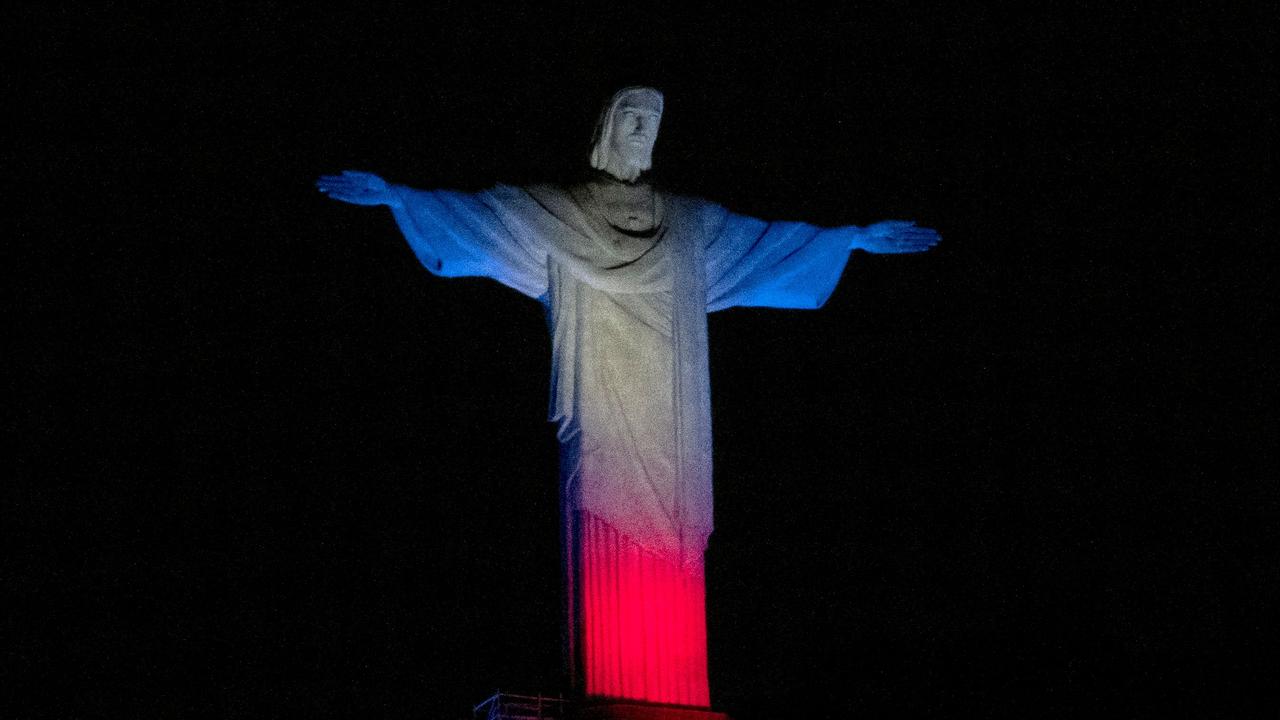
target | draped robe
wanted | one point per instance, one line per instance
(629, 390)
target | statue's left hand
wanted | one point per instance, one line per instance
(896, 236)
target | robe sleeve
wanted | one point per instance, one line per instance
(755, 263)
(456, 234)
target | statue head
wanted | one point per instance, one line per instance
(626, 132)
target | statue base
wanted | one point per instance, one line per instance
(619, 710)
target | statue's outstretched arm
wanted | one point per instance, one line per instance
(358, 188)
(894, 236)
(456, 234)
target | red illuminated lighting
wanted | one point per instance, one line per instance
(644, 633)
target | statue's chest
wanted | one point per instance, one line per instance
(632, 214)
(630, 208)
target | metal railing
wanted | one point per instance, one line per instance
(509, 706)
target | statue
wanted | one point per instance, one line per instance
(627, 274)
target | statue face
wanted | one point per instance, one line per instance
(635, 129)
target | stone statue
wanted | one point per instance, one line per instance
(627, 274)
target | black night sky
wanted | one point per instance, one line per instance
(269, 466)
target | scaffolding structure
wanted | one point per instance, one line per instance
(509, 706)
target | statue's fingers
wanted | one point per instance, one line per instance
(343, 197)
(355, 198)
(339, 185)
(358, 176)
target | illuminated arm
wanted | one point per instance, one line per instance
(453, 234)
(793, 265)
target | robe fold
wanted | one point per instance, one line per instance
(630, 393)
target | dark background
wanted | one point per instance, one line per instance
(270, 466)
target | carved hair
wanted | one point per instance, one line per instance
(604, 127)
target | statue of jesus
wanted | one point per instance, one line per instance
(627, 274)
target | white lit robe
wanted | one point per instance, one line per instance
(629, 392)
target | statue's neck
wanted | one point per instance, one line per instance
(621, 170)
(604, 177)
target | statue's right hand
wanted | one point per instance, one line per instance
(357, 188)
